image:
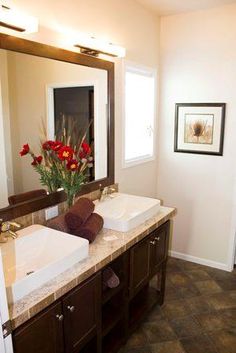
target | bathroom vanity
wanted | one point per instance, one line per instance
(89, 318)
(71, 312)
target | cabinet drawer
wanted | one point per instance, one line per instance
(43, 334)
(81, 310)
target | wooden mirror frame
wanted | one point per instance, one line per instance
(46, 51)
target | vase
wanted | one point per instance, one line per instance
(70, 199)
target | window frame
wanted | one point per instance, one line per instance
(148, 71)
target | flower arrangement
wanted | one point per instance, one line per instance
(62, 165)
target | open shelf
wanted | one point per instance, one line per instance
(141, 304)
(110, 292)
(91, 346)
(112, 312)
(113, 341)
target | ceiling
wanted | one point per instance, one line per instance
(171, 7)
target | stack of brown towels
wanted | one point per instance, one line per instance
(80, 220)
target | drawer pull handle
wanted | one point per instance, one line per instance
(157, 238)
(60, 317)
(152, 242)
(71, 308)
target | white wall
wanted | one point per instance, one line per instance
(123, 22)
(198, 56)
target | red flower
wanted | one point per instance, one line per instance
(86, 148)
(47, 145)
(65, 153)
(25, 150)
(72, 165)
(37, 160)
(57, 145)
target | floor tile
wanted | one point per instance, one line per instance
(229, 318)
(172, 293)
(198, 275)
(211, 321)
(175, 308)
(198, 344)
(224, 300)
(208, 287)
(146, 349)
(186, 326)
(227, 284)
(137, 339)
(198, 305)
(219, 274)
(155, 315)
(158, 332)
(189, 291)
(225, 341)
(173, 265)
(179, 279)
(190, 266)
(167, 347)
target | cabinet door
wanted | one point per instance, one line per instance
(82, 315)
(139, 266)
(43, 334)
(159, 247)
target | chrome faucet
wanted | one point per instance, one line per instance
(106, 192)
(6, 231)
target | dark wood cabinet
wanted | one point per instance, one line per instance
(158, 247)
(146, 258)
(82, 315)
(43, 334)
(89, 320)
(139, 265)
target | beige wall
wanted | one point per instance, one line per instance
(124, 22)
(198, 56)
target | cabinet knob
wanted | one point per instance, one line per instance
(152, 242)
(60, 317)
(157, 238)
(71, 308)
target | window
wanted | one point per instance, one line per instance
(139, 115)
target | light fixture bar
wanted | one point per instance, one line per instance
(94, 46)
(14, 20)
(92, 52)
(9, 26)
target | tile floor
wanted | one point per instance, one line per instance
(199, 314)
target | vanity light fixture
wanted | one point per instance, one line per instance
(93, 46)
(14, 20)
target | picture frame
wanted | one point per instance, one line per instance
(199, 128)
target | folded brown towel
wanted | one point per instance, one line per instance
(90, 228)
(58, 223)
(79, 213)
(109, 278)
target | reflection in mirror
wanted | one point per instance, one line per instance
(37, 92)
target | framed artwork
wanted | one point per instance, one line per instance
(199, 128)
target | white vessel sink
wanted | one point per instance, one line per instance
(122, 212)
(38, 255)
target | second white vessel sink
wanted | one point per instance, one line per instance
(37, 256)
(122, 212)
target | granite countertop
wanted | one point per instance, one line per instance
(108, 245)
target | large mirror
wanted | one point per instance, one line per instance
(39, 95)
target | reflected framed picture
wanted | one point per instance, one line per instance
(199, 128)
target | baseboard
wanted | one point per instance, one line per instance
(199, 260)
